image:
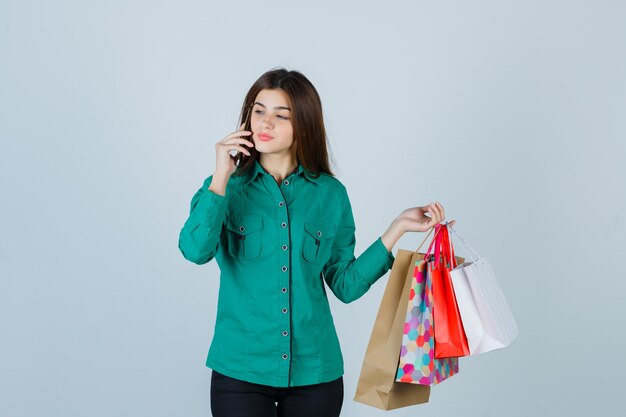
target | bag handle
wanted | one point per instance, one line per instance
(466, 246)
(439, 251)
(431, 243)
(448, 245)
(444, 250)
(440, 242)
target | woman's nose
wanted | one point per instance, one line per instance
(267, 121)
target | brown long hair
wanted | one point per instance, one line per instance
(309, 134)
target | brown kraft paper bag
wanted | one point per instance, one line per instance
(377, 386)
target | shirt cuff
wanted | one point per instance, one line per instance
(374, 261)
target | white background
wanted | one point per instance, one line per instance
(509, 113)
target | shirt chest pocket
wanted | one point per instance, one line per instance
(245, 236)
(318, 241)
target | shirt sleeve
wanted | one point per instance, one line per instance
(200, 235)
(349, 277)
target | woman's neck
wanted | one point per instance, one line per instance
(279, 167)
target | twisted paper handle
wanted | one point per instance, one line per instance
(466, 246)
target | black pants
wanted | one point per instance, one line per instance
(235, 398)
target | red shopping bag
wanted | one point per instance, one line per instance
(450, 339)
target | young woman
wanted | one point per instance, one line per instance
(279, 225)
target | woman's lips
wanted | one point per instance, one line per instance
(265, 137)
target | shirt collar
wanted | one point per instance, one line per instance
(257, 169)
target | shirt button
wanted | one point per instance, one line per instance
(285, 356)
(286, 182)
(282, 203)
(284, 247)
(319, 233)
(285, 332)
(241, 228)
(283, 225)
(284, 268)
(284, 290)
(284, 310)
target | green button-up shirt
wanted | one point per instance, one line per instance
(276, 245)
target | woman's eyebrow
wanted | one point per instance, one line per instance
(276, 107)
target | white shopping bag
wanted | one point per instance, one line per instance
(487, 318)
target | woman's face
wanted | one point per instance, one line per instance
(270, 122)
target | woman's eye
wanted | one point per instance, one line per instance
(282, 117)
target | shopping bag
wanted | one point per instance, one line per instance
(450, 338)
(487, 318)
(377, 386)
(417, 363)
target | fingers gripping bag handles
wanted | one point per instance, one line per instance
(417, 363)
(450, 338)
(487, 318)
